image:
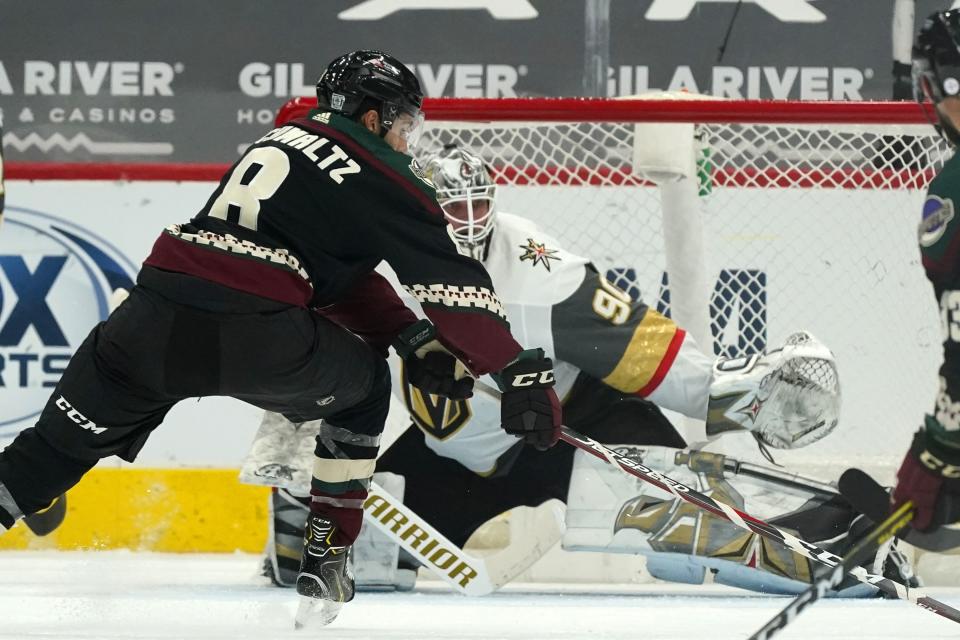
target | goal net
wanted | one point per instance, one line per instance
(745, 221)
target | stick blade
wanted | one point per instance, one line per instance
(873, 500)
(315, 612)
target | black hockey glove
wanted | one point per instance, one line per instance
(429, 366)
(930, 477)
(529, 407)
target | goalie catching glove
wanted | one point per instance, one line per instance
(930, 477)
(529, 407)
(430, 367)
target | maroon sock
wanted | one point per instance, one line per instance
(345, 510)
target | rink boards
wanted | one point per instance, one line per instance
(170, 510)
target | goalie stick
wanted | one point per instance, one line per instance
(741, 519)
(467, 574)
(830, 578)
(470, 575)
(403, 526)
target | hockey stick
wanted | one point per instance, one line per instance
(830, 578)
(870, 498)
(404, 527)
(467, 574)
(782, 478)
(741, 519)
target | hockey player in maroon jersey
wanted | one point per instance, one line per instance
(224, 306)
(47, 520)
(930, 473)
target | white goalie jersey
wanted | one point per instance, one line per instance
(558, 300)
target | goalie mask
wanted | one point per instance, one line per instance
(467, 194)
(936, 66)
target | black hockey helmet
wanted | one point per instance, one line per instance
(936, 64)
(370, 76)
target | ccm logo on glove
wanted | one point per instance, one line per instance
(529, 379)
(529, 407)
(938, 466)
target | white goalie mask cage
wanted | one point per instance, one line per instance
(467, 195)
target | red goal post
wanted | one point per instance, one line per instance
(597, 110)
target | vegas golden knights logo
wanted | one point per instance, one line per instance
(438, 417)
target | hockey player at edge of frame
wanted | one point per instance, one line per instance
(262, 296)
(2, 189)
(930, 472)
(616, 362)
(48, 519)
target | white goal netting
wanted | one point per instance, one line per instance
(803, 225)
(745, 221)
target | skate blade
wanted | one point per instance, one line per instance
(315, 612)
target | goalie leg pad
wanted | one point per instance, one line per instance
(610, 512)
(673, 567)
(287, 519)
(281, 454)
(376, 557)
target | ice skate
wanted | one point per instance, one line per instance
(326, 580)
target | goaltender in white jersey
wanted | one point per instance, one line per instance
(558, 299)
(617, 362)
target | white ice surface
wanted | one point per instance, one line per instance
(115, 595)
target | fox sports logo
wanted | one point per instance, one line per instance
(56, 279)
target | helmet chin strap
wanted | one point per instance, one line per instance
(485, 245)
(480, 250)
(384, 128)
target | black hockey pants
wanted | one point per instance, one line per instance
(178, 337)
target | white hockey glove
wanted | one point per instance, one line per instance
(788, 398)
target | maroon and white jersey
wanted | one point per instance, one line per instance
(307, 213)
